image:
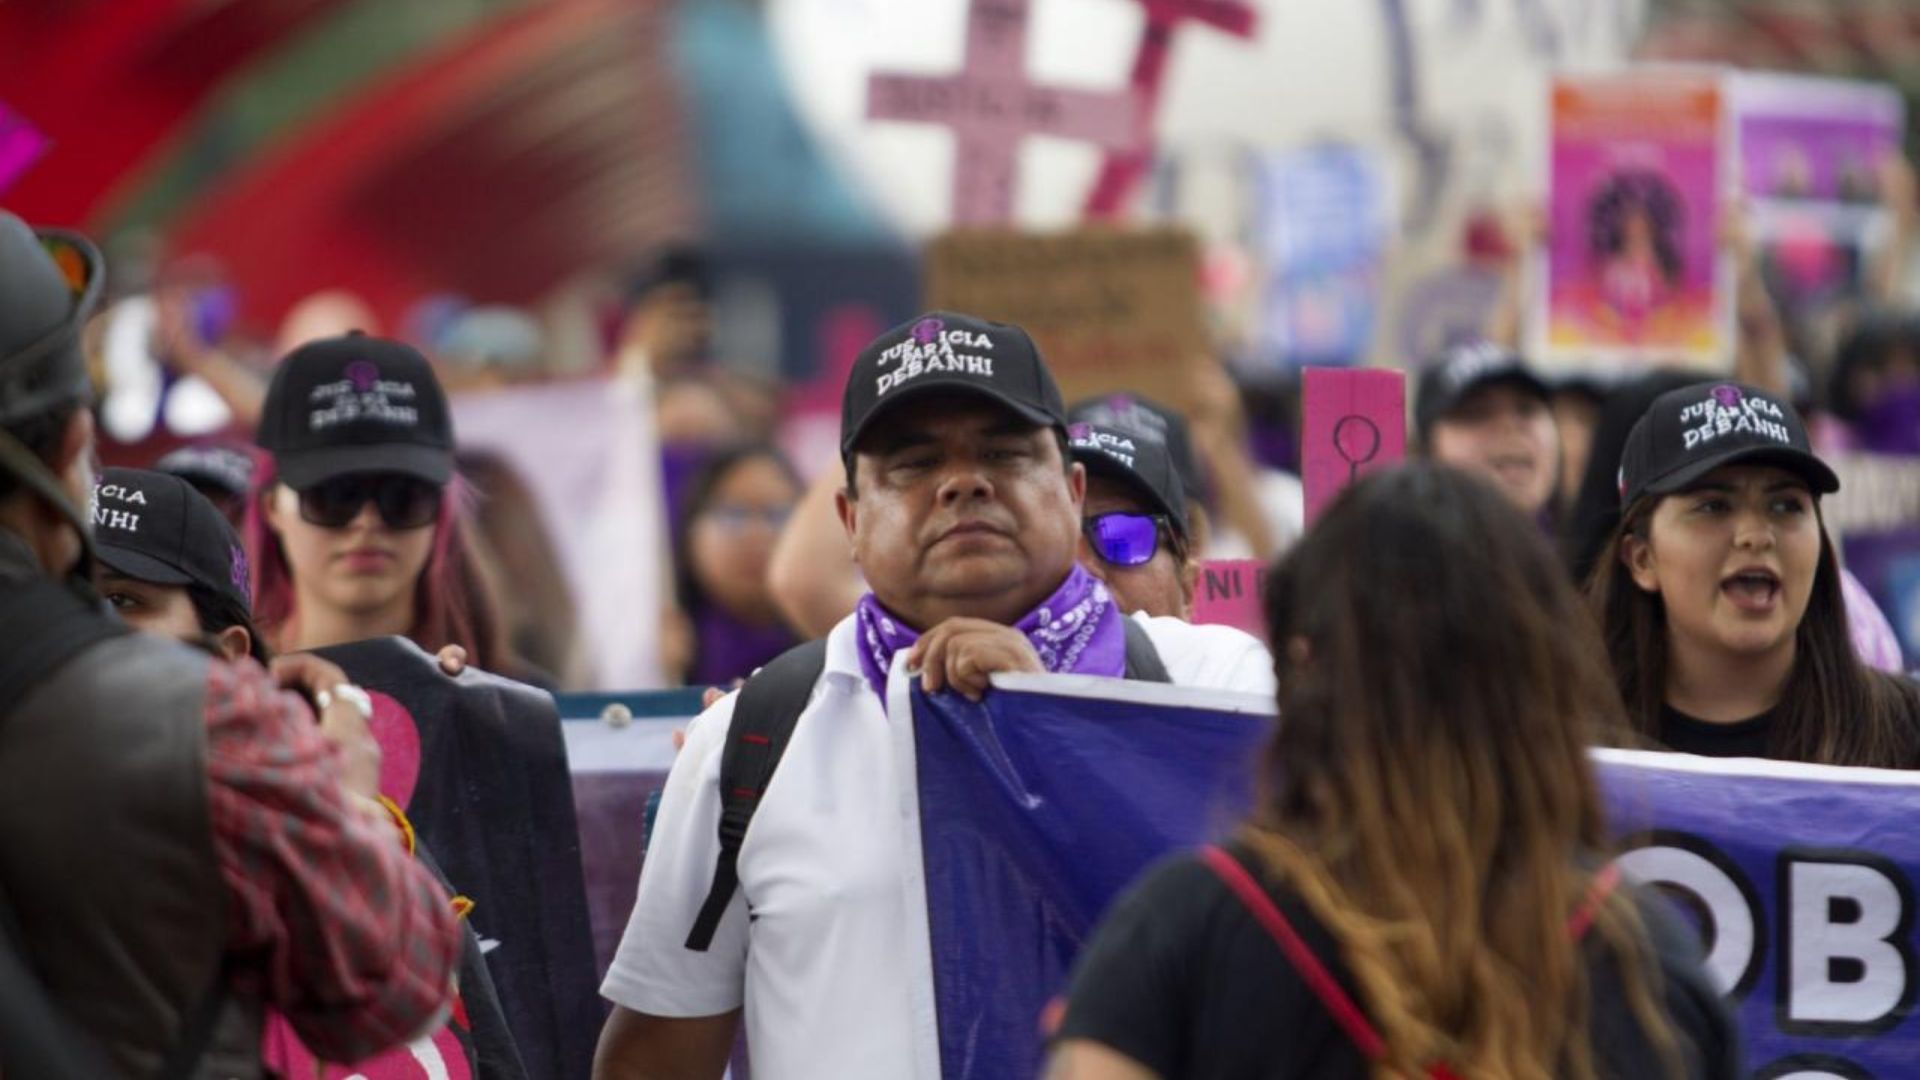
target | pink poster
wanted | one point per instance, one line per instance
(1355, 421)
(1229, 595)
(1633, 267)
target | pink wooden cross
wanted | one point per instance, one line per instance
(1124, 167)
(991, 108)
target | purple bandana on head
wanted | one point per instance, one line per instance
(1075, 631)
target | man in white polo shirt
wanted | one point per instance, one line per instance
(963, 511)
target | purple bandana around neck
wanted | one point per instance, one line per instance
(1075, 631)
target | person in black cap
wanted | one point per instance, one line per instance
(963, 509)
(228, 867)
(221, 471)
(1134, 533)
(355, 532)
(171, 564)
(1481, 408)
(1720, 595)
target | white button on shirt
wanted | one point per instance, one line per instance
(825, 963)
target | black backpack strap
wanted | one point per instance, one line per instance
(763, 719)
(47, 623)
(1143, 660)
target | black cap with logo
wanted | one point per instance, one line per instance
(1132, 413)
(225, 467)
(150, 526)
(356, 404)
(1460, 371)
(1137, 460)
(1687, 433)
(944, 352)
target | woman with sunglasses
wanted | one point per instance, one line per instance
(1134, 522)
(355, 528)
(1721, 599)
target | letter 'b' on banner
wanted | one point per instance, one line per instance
(1355, 422)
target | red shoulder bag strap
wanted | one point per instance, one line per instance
(1322, 983)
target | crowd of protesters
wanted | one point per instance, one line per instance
(1642, 562)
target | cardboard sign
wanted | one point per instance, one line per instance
(1634, 269)
(1229, 595)
(1110, 309)
(1354, 422)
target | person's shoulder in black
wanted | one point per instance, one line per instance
(1182, 979)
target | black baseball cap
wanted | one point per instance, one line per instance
(150, 526)
(1687, 433)
(1130, 412)
(50, 281)
(948, 353)
(1462, 369)
(356, 404)
(225, 467)
(1136, 459)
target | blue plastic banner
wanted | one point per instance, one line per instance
(1038, 806)
(1036, 809)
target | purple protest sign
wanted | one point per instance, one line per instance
(1355, 422)
(991, 108)
(21, 144)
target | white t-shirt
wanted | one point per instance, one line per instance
(823, 965)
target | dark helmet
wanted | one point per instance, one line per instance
(50, 280)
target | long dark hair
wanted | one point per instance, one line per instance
(1429, 793)
(215, 612)
(1649, 193)
(1835, 709)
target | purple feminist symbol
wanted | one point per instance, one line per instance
(926, 330)
(1728, 396)
(237, 568)
(1079, 432)
(362, 374)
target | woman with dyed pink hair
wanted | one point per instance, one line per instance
(357, 523)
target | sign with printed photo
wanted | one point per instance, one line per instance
(1810, 154)
(1633, 268)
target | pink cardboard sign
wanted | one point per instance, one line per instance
(1229, 595)
(1355, 423)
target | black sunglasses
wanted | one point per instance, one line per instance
(404, 502)
(1122, 539)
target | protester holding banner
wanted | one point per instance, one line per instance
(1481, 408)
(1134, 535)
(173, 566)
(1420, 885)
(356, 529)
(963, 511)
(1721, 598)
(726, 624)
(227, 869)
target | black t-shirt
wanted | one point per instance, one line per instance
(1181, 979)
(1685, 734)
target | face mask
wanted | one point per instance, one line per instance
(1891, 424)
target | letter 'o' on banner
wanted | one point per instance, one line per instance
(1730, 959)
